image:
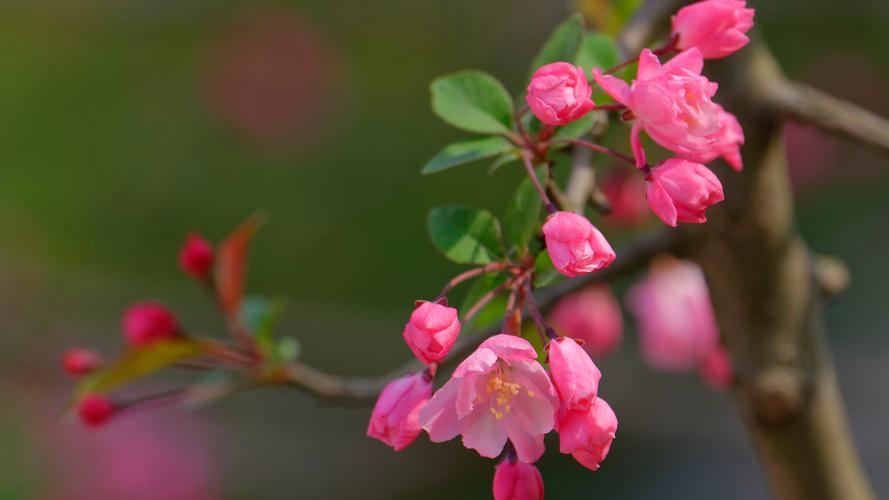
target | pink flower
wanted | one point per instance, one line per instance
(677, 326)
(592, 315)
(559, 93)
(716, 368)
(575, 245)
(517, 481)
(672, 103)
(681, 191)
(394, 420)
(587, 434)
(626, 197)
(574, 374)
(94, 410)
(727, 142)
(196, 257)
(79, 362)
(500, 391)
(715, 27)
(431, 331)
(147, 322)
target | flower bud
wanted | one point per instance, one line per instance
(716, 27)
(575, 245)
(559, 93)
(431, 331)
(517, 481)
(592, 315)
(716, 368)
(587, 435)
(196, 257)
(681, 191)
(94, 410)
(573, 373)
(394, 420)
(79, 362)
(146, 322)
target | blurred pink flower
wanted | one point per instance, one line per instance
(559, 93)
(147, 322)
(78, 361)
(716, 368)
(625, 191)
(196, 256)
(517, 481)
(591, 315)
(94, 410)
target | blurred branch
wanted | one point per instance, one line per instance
(340, 388)
(805, 104)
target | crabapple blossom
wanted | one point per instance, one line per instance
(573, 373)
(94, 409)
(196, 257)
(514, 480)
(147, 322)
(587, 434)
(575, 245)
(394, 418)
(79, 362)
(592, 315)
(626, 197)
(498, 392)
(715, 27)
(681, 191)
(559, 93)
(431, 331)
(727, 142)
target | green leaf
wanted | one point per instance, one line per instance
(597, 50)
(462, 152)
(261, 315)
(289, 349)
(545, 273)
(473, 101)
(562, 45)
(505, 159)
(466, 235)
(577, 128)
(532, 335)
(523, 213)
(491, 313)
(137, 363)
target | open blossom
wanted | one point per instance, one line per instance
(559, 93)
(727, 142)
(716, 368)
(671, 102)
(196, 256)
(394, 420)
(575, 245)
(715, 27)
(672, 306)
(94, 410)
(499, 392)
(681, 191)
(431, 331)
(147, 322)
(79, 362)
(592, 315)
(574, 374)
(515, 480)
(587, 434)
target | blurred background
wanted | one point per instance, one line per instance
(126, 124)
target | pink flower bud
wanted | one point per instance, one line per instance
(677, 327)
(94, 410)
(196, 257)
(716, 368)
(575, 245)
(587, 435)
(559, 93)
(146, 322)
(573, 373)
(517, 481)
(79, 362)
(394, 420)
(431, 331)
(715, 27)
(681, 191)
(625, 191)
(592, 315)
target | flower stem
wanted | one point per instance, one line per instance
(472, 273)
(551, 208)
(542, 327)
(599, 149)
(668, 47)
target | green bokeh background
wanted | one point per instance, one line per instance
(110, 152)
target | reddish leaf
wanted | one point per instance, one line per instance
(231, 265)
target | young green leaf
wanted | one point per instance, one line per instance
(597, 50)
(473, 101)
(137, 363)
(562, 45)
(466, 235)
(491, 313)
(459, 153)
(545, 273)
(577, 128)
(261, 316)
(523, 213)
(504, 159)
